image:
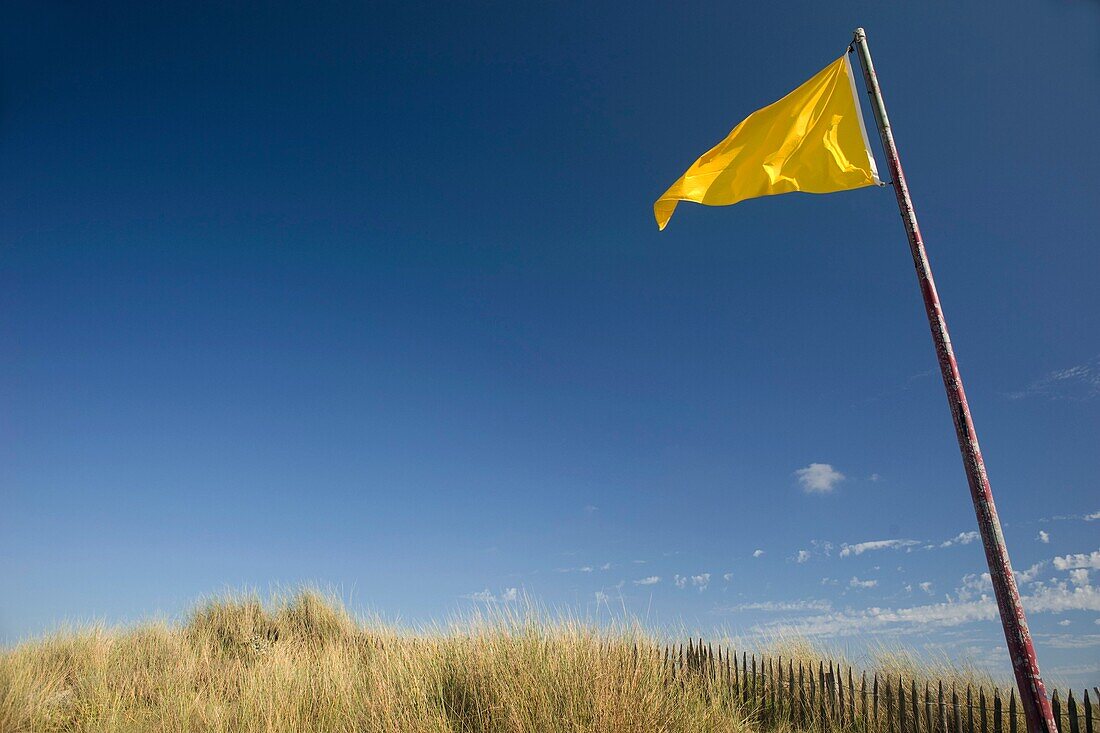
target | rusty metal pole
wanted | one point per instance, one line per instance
(1020, 649)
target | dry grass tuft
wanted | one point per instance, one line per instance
(302, 663)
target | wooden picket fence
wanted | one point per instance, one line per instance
(831, 698)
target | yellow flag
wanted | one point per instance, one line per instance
(812, 140)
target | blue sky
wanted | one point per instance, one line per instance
(374, 298)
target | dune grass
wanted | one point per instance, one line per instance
(303, 663)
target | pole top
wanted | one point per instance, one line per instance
(859, 35)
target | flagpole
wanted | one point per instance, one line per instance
(1022, 652)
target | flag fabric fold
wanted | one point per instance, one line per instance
(811, 140)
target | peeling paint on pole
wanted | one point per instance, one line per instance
(1037, 710)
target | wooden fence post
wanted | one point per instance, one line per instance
(889, 707)
(790, 691)
(812, 712)
(928, 715)
(801, 698)
(862, 702)
(997, 711)
(769, 687)
(754, 690)
(942, 707)
(981, 709)
(1074, 726)
(874, 702)
(851, 699)
(839, 695)
(916, 706)
(1056, 709)
(955, 719)
(744, 679)
(901, 705)
(738, 679)
(1088, 712)
(969, 710)
(1012, 712)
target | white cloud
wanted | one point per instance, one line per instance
(757, 553)
(679, 581)
(818, 478)
(1052, 598)
(701, 581)
(780, 606)
(585, 569)
(1092, 517)
(962, 538)
(1026, 576)
(651, 580)
(859, 548)
(975, 585)
(926, 586)
(1064, 622)
(727, 577)
(802, 556)
(1069, 562)
(1079, 577)
(1043, 537)
(605, 566)
(485, 596)
(857, 583)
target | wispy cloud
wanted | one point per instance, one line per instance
(1069, 641)
(818, 478)
(972, 601)
(507, 595)
(859, 548)
(962, 538)
(857, 583)
(1053, 598)
(651, 580)
(760, 553)
(802, 556)
(778, 606)
(1080, 382)
(926, 586)
(1092, 517)
(1043, 537)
